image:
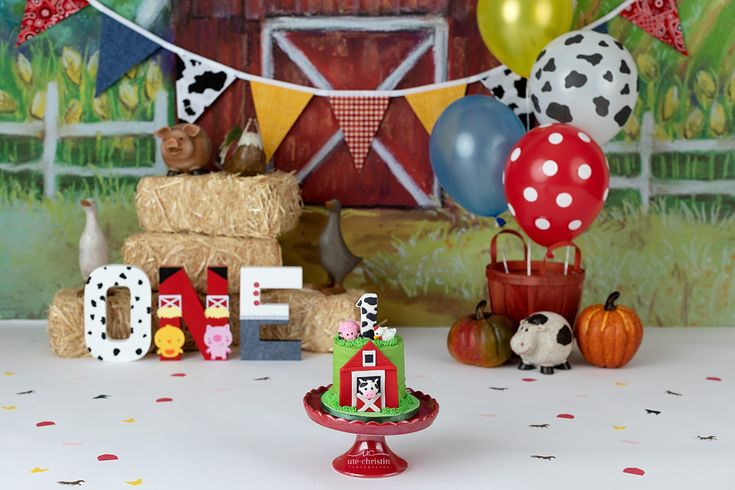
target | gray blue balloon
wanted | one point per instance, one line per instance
(468, 148)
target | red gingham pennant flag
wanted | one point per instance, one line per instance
(42, 14)
(359, 118)
(659, 18)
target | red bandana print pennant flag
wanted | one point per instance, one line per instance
(359, 118)
(39, 15)
(659, 18)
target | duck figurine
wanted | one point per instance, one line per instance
(93, 251)
(336, 259)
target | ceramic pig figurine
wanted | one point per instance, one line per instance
(543, 340)
(186, 148)
(348, 330)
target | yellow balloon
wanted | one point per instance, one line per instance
(516, 31)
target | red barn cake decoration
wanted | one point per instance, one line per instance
(368, 381)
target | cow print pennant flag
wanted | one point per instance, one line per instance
(198, 87)
(659, 18)
(510, 89)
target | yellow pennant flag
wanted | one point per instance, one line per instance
(277, 109)
(429, 105)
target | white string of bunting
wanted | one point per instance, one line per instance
(233, 72)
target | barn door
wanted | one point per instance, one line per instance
(357, 53)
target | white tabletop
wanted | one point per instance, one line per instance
(225, 429)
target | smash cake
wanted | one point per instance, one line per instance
(368, 371)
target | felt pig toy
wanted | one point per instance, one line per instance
(543, 340)
(186, 148)
(348, 330)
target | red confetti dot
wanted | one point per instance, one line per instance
(565, 416)
(256, 293)
(256, 303)
(713, 378)
(178, 375)
(256, 284)
(634, 471)
(107, 457)
(45, 423)
(528, 380)
(164, 400)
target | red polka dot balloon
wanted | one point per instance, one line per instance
(556, 182)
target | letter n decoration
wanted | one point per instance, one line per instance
(178, 300)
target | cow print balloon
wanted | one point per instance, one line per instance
(511, 89)
(556, 182)
(586, 79)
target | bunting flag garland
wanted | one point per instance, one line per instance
(277, 109)
(359, 118)
(120, 50)
(39, 15)
(198, 86)
(429, 105)
(660, 19)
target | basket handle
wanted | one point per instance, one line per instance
(494, 245)
(577, 256)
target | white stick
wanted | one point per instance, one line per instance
(566, 262)
(528, 260)
(505, 262)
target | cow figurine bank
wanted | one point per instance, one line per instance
(186, 148)
(543, 340)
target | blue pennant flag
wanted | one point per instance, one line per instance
(120, 49)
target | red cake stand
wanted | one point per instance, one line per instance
(370, 456)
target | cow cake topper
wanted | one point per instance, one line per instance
(543, 340)
(369, 326)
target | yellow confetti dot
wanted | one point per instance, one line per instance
(619, 427)
(620, 383)
(128, 421)
(135, 483)
(9, 407)
(9, 373)
(38, 470)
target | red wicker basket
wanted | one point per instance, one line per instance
(516, 295)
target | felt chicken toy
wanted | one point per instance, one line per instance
(334, 255)
(93, 251)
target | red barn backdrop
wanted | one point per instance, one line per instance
(358, 44)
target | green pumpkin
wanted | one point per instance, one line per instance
(482, 339)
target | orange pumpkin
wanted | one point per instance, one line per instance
(608, 336)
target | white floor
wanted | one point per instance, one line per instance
(226, 429)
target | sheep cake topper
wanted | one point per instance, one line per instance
(543, 340)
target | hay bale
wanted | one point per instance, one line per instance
(66, 320)
(195, 253)
(264, 206)
(314, 316)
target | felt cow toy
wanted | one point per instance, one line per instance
(543, 340)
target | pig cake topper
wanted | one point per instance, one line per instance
(186, 149)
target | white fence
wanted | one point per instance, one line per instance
(52, 132)
(647, 145)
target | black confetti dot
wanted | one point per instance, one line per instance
(123, 276)
(104, 336)
(89, 349)
(100, 358)
(137, 298)
(94, 303)
(115, 352)
(99, 285)
(103, 319)
(89, 332)
(140, 282)
(129, 268)
(148, 310)
(91, 317)
(139, 351)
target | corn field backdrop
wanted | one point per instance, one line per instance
(682, 99)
